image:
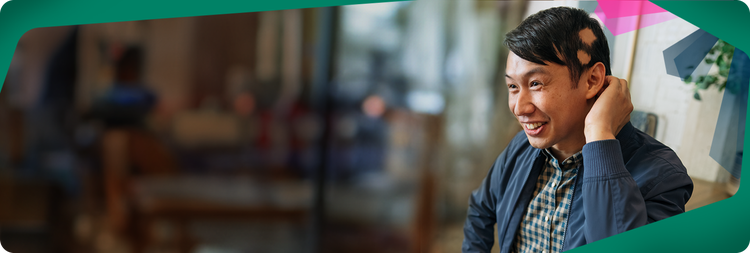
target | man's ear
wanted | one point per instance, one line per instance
(595, 79)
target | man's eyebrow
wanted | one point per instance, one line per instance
(537, 70)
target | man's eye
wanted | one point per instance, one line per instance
(511, 86)
(535, 83)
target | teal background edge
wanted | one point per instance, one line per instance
(719, 227)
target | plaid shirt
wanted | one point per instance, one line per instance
(543, 226)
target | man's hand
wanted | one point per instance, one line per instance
(610, 112)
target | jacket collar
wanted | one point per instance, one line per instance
(626, 133)
(627, 140)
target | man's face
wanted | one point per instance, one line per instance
(544, 101)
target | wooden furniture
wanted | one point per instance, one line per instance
(182, 199)
(144, 186)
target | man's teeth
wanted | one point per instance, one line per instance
(533, 126)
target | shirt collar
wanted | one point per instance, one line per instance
(569, 163)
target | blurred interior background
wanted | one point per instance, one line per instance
(358, 128)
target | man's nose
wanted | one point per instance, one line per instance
(523, 104)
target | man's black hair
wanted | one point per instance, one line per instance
(540, 36)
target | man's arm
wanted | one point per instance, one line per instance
(612, 201)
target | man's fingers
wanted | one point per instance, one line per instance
(609, 81)
(614, 104)
(626, 90)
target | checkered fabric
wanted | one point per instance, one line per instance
(543, 226)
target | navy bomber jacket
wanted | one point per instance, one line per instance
(624, 184)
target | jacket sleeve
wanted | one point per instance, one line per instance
(613, 202)
(479, 234)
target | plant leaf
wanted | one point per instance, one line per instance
(724, 72)
(727, 48)
(703, 85)
(724, 67)
(711, 79)
(697, 96)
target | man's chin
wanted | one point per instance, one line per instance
(538, 142)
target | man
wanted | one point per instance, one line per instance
(579, 171)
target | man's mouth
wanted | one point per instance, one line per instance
(533, 126)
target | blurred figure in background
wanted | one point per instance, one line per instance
(51, 120)
(128, 101)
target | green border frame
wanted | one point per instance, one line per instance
(719, 227)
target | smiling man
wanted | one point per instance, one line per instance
(579, 171)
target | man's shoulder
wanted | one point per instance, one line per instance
(649, 147)
(649, 156)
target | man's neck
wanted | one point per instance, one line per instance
(561, 151)
(562, 155)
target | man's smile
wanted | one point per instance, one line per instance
(533, 129)
(532, 126)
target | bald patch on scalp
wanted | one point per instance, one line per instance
(587, 36)
(584, 57)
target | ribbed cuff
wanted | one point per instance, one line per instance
(602, 158)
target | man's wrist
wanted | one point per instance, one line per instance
(598, 134)
(603, 159)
